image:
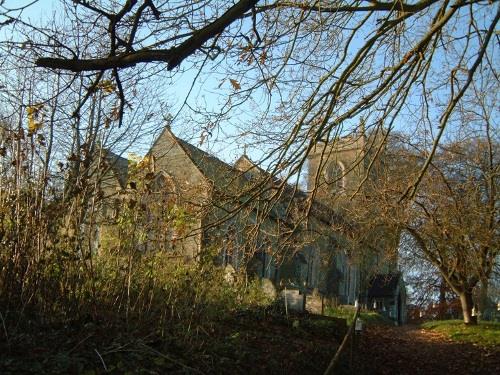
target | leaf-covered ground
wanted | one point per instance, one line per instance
(413, 350)
(255, 342)
(246, 342)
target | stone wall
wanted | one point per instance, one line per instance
(193, 190)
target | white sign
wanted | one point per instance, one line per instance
(359, 325)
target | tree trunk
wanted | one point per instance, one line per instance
(483, 300)
(442, 299)
(467, 304)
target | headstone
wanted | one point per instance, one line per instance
(268, 288)
(314, 304)
(229, 274)
(293, 299)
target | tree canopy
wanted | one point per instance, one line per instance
(296, 72)
(453, 221)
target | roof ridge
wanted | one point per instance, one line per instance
(184, 143)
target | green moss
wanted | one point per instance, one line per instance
(485, 333)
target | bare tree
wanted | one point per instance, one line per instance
(323, 67)
(453, 218)
(54, 131)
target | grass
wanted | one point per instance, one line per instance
(484, 334)
(347, 313)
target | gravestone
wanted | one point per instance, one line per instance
(230, 274)
(268, 288)
(293, 299)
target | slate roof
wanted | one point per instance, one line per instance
(221, 174)
(118, 165)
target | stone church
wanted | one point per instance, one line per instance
(337, 172)
(248, 219)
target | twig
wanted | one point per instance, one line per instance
(80, 342)
(102, 360)
(336, 357)
(412, 189)
(5, 329)
(90, 91)
(286, 305)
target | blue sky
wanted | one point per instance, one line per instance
(173, 90)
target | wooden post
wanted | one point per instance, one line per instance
(342, 346)
(286, 305)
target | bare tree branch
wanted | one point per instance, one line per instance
(172, 56)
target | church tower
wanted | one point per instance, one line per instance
(336, 171)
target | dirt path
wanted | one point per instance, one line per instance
(411, 350)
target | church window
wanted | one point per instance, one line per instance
(164, 189)
(335, 176)
(161, 203)
(229, 250)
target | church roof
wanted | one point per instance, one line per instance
(246, 180)
(317, 209)
(214, 169)
(118, 165)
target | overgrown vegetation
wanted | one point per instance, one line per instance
(49, 269)
(119, 306)
(145, 314)
(484, 333)
(124, 306)
(140, 312)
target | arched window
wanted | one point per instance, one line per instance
(335, 176)
(164, 189)
(160, 203)
(229, 249)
